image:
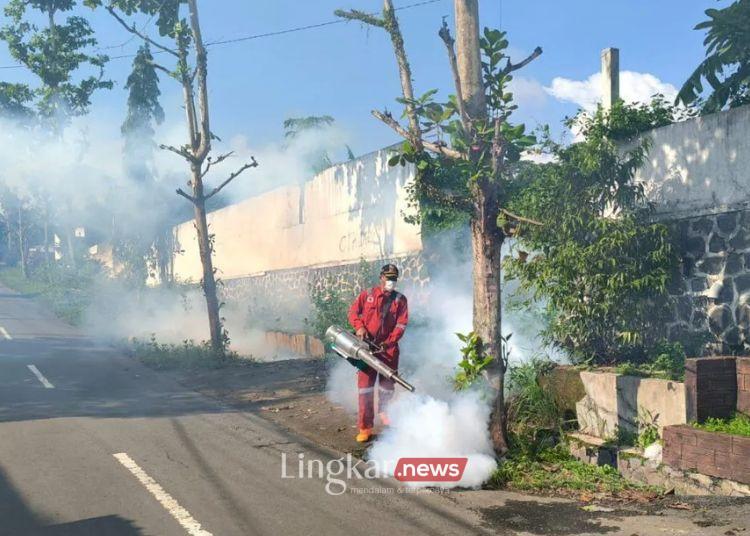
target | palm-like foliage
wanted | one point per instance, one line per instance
(727, 64)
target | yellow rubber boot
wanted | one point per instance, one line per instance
(364, 435)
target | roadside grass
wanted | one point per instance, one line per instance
(739, 424)
(188, 355)
(12, 277)
(555, 470)
(539, 459)
(66, 292)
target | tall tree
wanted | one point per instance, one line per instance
(144, 113)
(187, 43)
(318, 157)
(57, 54)
(138, 244)
(483, 146)
(727, 64)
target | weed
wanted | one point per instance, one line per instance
(534, 419)
(739, 424)
(187, 355)
(473, 362)
(554, 469)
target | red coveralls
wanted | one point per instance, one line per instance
(367, 311)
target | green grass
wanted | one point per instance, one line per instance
(187, 355)
(66, 292)
(739, 424)
(12, 278)
(556, 470)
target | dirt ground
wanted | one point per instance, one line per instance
(292, 394)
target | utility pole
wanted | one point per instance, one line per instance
(610, 77)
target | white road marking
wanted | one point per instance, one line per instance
(40, 377)
(182, 516)
(5, 333)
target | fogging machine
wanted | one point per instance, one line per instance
(360, 354)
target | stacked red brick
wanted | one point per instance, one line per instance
(743, 384)
(714, 387)
(710, 453)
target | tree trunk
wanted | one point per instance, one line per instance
(205, 249)
(21, 243)
(486, 237)
(469, 58)
(486, 242)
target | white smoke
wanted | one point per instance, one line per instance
(82, 174)
(437, 421)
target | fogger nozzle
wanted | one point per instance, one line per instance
(353, 349)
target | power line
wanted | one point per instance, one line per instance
(247, 37)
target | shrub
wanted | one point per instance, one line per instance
(599, 262)
(188, 354)
(472, 363)
(534, 420)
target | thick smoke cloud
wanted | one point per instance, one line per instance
(83, 176)
(437, 421)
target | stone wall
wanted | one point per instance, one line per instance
(280, 299)
(712, 292)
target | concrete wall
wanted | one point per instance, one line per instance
(615, 402)
(698, 176)
(348, 212)
(701, 165)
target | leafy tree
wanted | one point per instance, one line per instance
(58, 55)
(470, 144)
(190, 71)
(136, 242)
(319, 159)
(144, 113)
(14, 102)
(54, 54)
(600, 263)
(295, 125)
(727, 64)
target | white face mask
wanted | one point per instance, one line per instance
(389, 285)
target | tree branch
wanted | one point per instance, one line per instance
(189, 197)
(445, 35)
(132, 30)
(510, 67)
(388, 119)
(520, 218)
(161, 68)
(361, 16)
(234, 175)
(212, 162)
(182, 152)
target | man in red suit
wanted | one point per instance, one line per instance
(379, 315)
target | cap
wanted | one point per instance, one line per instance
(389, 270)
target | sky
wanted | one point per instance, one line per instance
(345, 70)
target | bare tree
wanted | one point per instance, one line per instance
(485, 150)
(188, 39)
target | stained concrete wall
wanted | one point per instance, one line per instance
(614, 401)
(348, 212)
(701, 165)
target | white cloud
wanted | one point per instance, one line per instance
(634, 87)
(528, 93)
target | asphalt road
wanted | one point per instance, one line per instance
(93, 443)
